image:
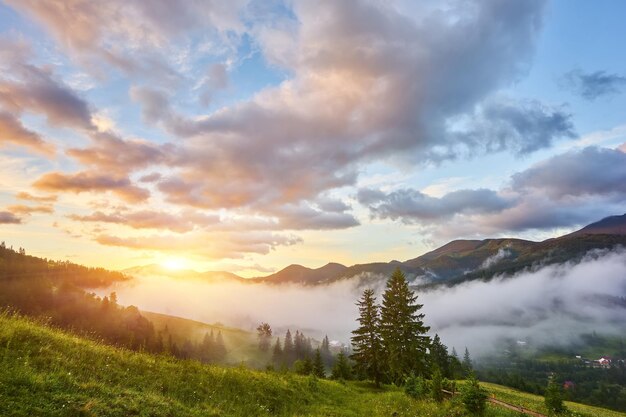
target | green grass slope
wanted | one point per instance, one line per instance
(241, 345)
(535, 402)
(46, 372)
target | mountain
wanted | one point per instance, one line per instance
(461, 260)
(303, 275)
(613, 225)
(209, 276)
(456, 261)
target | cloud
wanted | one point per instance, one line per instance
(33, 89)
(86, 181)
(411, 205)
(7, 217)
(148, 219)
(569, 189)
(129, 34)
(152, 177)
(214, 245)
(590, 171)
(120, 156)
(550, 305)
(347, 106)
(522, 127)
(22, 195)
(13, 131)
(593, 85)
(23, 209)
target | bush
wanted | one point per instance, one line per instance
(473, 396)
(436, 385)
(416, 387)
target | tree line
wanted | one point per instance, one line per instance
(54, 291)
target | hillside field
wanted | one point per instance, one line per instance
(47, 372)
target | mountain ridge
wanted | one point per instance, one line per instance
(455, 261)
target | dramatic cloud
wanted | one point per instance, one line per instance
(114, 154)
(27, 88)
(593, 85)
(591, 171)
(214, 245)
(520, 127)
(412, 205)
(183, 222)
(566, 190)
(344, 106)
(13, 132)
(7, 217)
(90, 181)
(128, 34)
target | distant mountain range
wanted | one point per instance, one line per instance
(454, 262)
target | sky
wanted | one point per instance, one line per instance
(250, 135)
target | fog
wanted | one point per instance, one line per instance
(552, 304)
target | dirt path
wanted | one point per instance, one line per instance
(515, 407)
(503, 404)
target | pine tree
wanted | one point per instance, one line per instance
(467, 363)
(220, 348)
(297, 345)
(554, 397)
(277, 353)
(439, 357)
(366, 339)
(327, 357)
(474, 397)
(402, 330)
(288, 348)
(318, 365)
(436, 385)
(342, 368)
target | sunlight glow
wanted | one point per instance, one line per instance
(174, 264)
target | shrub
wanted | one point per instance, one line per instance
(416, 387)
(473, 396)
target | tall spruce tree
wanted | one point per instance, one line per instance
(467, 363)
(288, 348)
(439, 357)
(318, 365)
(277, 353)
(402, 330)
(366, 341)
(327, 356)
(342, 368)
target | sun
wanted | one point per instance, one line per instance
(174, 264)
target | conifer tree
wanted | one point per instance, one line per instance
(318, 365)
(220, 347)
(366, 339)
(342, 368)
(327, 357)
(467, 363)
(402, 330)
(439, 357)
(554, 397)
(277, 353)
(288, 348)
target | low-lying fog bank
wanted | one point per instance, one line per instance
(551, 305)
